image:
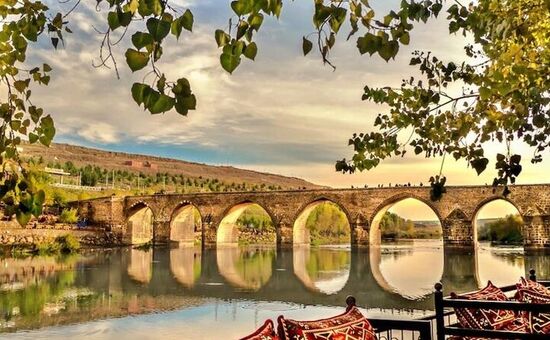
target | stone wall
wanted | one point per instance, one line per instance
(20, 236)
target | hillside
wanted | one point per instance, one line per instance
(82, 156)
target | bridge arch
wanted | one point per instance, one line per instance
(375, 234)
(227, 233)
(185, 222)
(139, 224)
(301, 235)
(498, 207)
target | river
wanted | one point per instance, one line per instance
(189, 293)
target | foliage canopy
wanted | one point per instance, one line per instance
(504, 81)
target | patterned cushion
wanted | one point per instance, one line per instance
(487, 318)
(533, 292)
(351, 325)
(265, 332)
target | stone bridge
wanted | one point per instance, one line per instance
(175, 217)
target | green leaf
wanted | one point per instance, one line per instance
(255, 20)
(185, 104)
(162, 104)
(112, 20)
(33, 138)
(405, 38)
(48, 130)
(222, 38)
(124, 18)
(389, 50)
(187, 20)
(136, 60)
(21, 85)
(239, 7)
(182, 88)
(479, 164)
(141, 39)
(306, 45)
(229, 62)
(484, 93)
(140, 92)
(22, 217)
(369, 43)
(250, 51)
(159, 29)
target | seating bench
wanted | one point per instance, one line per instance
(445, 305)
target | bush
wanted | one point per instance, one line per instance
(67, 244)
(68, 216)
(47, 248)
(59, 199)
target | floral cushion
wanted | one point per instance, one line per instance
(265, 332)
(351, 325)
(533, 292)
(488, 318)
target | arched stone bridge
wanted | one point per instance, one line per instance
(173, 217)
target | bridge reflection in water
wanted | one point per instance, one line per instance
(390, 277)
(382, 277)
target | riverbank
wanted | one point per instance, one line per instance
(22, 240)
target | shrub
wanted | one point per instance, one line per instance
(68, 216)
(59, 199)
(47, 248)
(68, 244)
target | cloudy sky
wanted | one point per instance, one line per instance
(283, 113)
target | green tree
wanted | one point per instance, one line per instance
(505, 94)
(503, 230)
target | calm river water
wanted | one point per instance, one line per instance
(187, 293)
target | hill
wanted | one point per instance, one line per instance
(150, 165)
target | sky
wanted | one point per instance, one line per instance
(283, 113)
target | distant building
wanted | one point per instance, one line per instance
(59, 174)
(134, 164)
(139, 164)
(151, 165)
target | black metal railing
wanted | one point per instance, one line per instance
(446, 324)
(392, 329)
(396, 329)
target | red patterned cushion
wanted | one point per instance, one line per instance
(533, 292)
(351, 325)
(487, 318)
(266, 332)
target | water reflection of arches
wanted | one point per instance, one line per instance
(228, 230)
(395, 268)
(139, 224)
(494, 208)
(301, 235)
(322, 270)
(503, 266)
(185, 221)
(248, 269)
(185, 265)
(140, 265)
(375, 234)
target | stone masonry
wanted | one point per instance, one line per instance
(456, 211)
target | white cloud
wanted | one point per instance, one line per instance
(99, 133)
